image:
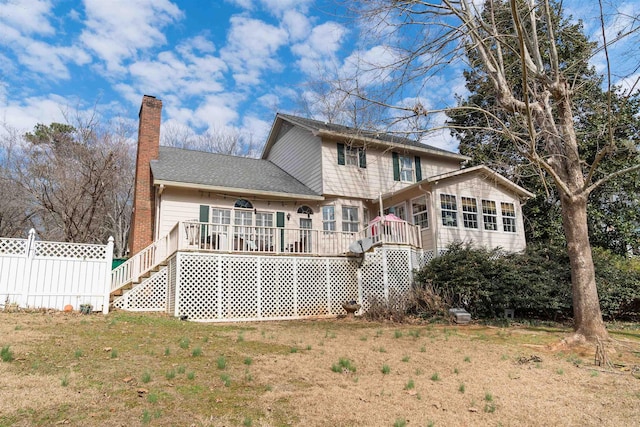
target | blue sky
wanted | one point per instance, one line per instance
(224, 65)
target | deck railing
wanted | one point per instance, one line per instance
(195, 235)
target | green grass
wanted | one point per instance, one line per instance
(152, 398)
(114, 354)
(64, 381)
(181, 369)
(184, 343)
(343, 365)
(196, 352)
(221, 362)
(170, 374)
(226, 380)
(167, 351)
(405, 359)
(6, 354)
(400, 423)
(191, 375)
(386, 369)
(248, 361)
(435, 377)
(410, 385)
(78, 353)
(293, 350)
(397, 334)
(461, 388)
(146, 377)
(467, 359)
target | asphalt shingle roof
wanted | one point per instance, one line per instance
(381, 136)
(220, 170)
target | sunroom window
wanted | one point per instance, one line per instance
(449, 210)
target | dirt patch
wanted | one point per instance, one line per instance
(125, 369)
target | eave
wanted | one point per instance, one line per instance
(239, 191)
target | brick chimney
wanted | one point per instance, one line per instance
(143, 217)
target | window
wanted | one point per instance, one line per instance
(264, 219)
(220, 216)
(397, 210)
(305, 210)
(420, 212)
(328, 218)
(489, 215)
(508, 217)
(242, 203)
(406, 168)
(350, 219)
(469, 212)
(449, 210)
(352, 156)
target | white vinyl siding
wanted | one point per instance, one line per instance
(298, 153)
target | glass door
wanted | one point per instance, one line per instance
(305, 235)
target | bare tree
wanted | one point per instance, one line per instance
(73, 182)
(215, 140)
(427, 36)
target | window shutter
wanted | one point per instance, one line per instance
(204, 213)
(362, 154)
(418, 169)
(340, 154)
(280, 224)
(204, 217)
(396, 167)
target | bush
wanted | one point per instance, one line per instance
(536, 283)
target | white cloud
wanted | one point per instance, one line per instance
(319, 49)
(27, 16)
(116, 30)
(50, 61)
(296, 24)
(24, 114)
(252, 48)
(370, 67)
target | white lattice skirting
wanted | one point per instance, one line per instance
(225, 287)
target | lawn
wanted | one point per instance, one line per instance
(149, 369)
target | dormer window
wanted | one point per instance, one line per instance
(352, 156)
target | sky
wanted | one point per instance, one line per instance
(221, 65)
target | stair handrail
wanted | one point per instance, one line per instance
(145, 260)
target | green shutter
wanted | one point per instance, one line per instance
(418, 169)
(340, 154)
(204, 213)
(396, 167)
(362, 157)
(204, 217)
(280, 224)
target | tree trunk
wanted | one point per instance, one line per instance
(586, 305)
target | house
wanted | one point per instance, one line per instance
(316, 189)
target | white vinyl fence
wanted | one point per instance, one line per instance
(38, 274)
